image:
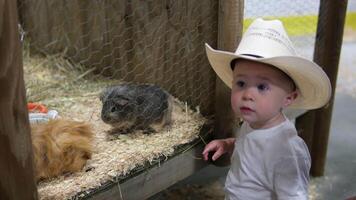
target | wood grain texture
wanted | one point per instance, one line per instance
(16, 167)
(157, 178)
(229, 35)
(327, 55)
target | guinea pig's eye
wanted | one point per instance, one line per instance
(113, 109)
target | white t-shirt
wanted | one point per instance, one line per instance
(271, 163)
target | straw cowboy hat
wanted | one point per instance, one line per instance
(266, 41)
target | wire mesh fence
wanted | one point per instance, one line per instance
(157, 42)
(74, 51)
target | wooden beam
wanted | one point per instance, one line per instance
(326, 54)
(229, 34)
(153, 180)
(16, 168)
(305, 128)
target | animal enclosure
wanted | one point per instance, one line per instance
(73, 51)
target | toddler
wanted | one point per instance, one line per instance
(268, 159)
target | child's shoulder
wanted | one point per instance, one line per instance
(286, 142)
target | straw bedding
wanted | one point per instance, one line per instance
(53, 81)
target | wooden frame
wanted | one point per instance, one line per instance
(230, 12)
(156, 178)
(16, 168)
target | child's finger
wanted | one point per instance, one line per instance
(217, 154)
(205, 156)
(209, 147)
(206, 153)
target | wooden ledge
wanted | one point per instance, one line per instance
(147, 181)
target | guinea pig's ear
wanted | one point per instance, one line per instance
(103, 95)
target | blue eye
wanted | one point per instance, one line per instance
(262, 87)
(240, 83)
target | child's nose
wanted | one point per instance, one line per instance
(248, 94)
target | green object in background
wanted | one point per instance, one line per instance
(351, 21)
(306, 24)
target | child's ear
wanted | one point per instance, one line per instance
(290, 98)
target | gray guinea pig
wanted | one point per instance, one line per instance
(136, 106)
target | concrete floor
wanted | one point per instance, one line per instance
(339, 181)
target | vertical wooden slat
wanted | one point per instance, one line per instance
(326, 54)
(229, 35)
(16, 168)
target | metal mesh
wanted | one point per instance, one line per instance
(155, 42)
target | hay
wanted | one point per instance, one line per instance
(69, 89)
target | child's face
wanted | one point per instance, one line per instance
(259, 93)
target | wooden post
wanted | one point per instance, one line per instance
(16, 168)
(326, 54)
(305, 127)
(229, 35)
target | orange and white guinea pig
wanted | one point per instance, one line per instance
(60, 146)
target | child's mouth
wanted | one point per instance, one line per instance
(245, 110)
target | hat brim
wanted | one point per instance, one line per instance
(312, 82)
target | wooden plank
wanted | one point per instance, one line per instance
(229, 35)
(150, 181)
(16, 168)
(327, 54)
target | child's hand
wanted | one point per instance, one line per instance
(218, 148)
